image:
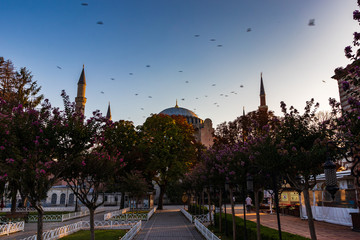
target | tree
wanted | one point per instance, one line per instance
(170, 144)
(29, 162)
(18, 87)
(304, 148)
(85, 163)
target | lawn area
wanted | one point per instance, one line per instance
(99, 234)
(266, 233)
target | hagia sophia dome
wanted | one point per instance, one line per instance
(190, 116)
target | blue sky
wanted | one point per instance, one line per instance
(295, 58)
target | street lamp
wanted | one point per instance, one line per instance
(350, 152)
(330, 177)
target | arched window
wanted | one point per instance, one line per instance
(53, 198)
(71, 199)
(62, 198)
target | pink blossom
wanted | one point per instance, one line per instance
(10, 160)
(83, 163)
(42, 171)
(2, 147)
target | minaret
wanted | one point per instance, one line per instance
(263, 107)
(80, 100)
(108, 114)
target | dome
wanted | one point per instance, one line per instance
(178, 111)
(190, 116)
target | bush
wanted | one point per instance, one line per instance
(266, 233)
(198, 209)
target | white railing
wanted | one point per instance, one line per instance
(203, 217)
(46, 218)
(109, 215)
(205, 231)
(187, 214)
(82, 225)
(132, 232)
(6, 229)
(73, 215)
(151, 213)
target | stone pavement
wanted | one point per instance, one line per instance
(168, 224)
(291, 224)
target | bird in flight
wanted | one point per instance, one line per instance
(323, 81)
(183, 99)
(112, 79)
(241, 86)
(248, 30)
(58, 67)
(186, 81)
(84, 4)
(213, 85)
(213, 40)
(130, 73)
(102, 92)
(136, 94)
(150, 96)
(100, 23)
(142, 108)
(180, 71)
(147, 65)
(311, 22)
(196, 35)
(219, 45)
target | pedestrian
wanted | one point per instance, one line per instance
(248, 201)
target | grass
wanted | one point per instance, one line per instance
(266, 233)
(99, 234)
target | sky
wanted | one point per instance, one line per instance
(149, 53)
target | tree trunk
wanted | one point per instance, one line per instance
(161, 197)
(257, 209)
(209, 203)
(309, 213)
(122, 202)
(92, 223)
(40, 211)
(232, 213)
(13, 199)
(202, 201)
(220, 213)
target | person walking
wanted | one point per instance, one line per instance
(248, 201)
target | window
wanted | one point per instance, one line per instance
(71, 199)
(106, 198)
(53, 198)
(62, 198)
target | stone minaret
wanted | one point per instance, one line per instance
(108, 114)
(80, 100)
(263, 107)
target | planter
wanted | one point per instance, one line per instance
(355, 221)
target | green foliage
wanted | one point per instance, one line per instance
(266, 233)
(99, 234)
(18, 87)
(196, 209)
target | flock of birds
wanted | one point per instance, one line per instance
(311, 23)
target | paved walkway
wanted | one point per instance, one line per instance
(168, 224)
(324, 230)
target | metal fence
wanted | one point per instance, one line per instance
(82, 225)
(6, 229)
(132, 232)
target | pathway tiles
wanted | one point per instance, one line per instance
(324, 230)
(168, 224)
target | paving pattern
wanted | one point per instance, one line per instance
(168, 224)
